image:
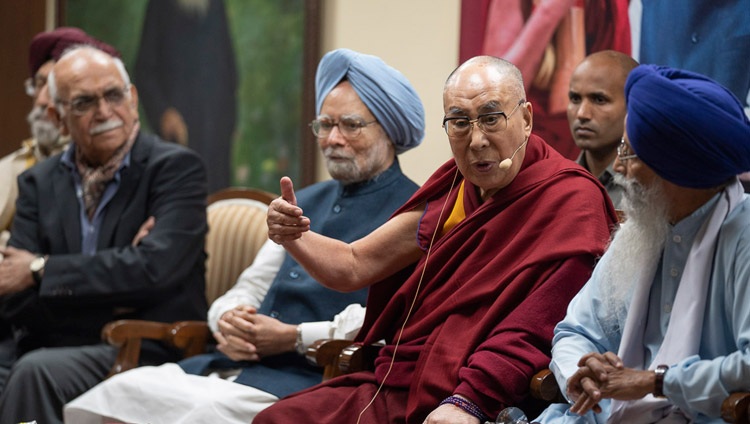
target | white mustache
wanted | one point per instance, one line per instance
(106, 126)
(330, 151)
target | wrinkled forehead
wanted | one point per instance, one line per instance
(86, 71)
(478, 97)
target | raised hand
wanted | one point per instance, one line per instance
(285, 220)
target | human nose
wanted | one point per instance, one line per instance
(335, 136)
(102, 106)
(620, 166)
(42, 97)
(478, 139)
(584, 111)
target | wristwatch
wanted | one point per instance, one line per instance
(659, 380)
(37, 268)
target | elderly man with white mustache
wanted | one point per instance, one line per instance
(44, 50)
(111, 228)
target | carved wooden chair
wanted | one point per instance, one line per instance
(236, 231)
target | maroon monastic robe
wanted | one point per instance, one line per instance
(493, 289)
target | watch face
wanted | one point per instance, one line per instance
(37, 264)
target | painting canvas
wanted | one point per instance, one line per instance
(224, 77)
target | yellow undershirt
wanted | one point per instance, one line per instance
(458, 213)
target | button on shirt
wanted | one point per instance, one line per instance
(668, 275)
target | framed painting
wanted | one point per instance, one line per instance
(231, 79)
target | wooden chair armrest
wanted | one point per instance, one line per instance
(190, 336)
(358, 357)
(736, 408)
(325, 353)
(127, 335)
(543, 386)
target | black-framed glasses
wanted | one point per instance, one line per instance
(488, 123)
(350, 128)
(623, 151)
(82, 105)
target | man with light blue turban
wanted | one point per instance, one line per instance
(661, 332)
(384, 90)
(367, 112)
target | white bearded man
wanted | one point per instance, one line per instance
(661, 332)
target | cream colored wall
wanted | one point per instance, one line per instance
(417, 37)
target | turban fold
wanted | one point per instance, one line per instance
(689, 129)
(384, 90)
(50, 45)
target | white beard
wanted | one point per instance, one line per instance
(44, 132)
(354, 170)
(637, 244)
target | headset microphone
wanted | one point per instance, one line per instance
(505, 164)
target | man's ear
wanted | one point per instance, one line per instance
(528, 117)
(134, 98)
(54, 116)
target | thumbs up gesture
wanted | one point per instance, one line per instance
(285, 219)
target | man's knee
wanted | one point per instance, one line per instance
(34, 363)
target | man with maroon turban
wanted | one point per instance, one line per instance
(45, 49)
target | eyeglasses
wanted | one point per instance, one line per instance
(350, 128)
(623, 152)
(33, 85)
(82, 105)
(488, 123)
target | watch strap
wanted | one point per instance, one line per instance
(659, 372)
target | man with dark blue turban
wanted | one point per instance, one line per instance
(661, 332)
(367, 112)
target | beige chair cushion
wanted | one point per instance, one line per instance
(236, 231)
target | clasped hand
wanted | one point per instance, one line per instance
(15, 273)
(245, 335)
(603, 376)
(285, 220)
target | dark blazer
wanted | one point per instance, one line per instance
(161, 279)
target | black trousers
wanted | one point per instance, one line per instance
(42, 381)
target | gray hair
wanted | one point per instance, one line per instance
(52, 82)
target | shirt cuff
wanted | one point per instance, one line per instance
(312, 331)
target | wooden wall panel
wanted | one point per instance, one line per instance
(19, 22)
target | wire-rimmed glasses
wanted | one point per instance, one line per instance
(350, 128)
(82, 105)
(488, 123)
(623, 151)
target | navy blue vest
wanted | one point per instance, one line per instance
(342, 212)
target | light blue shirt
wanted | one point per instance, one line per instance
(697, 384)
(90, 228)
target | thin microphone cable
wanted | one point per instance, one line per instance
(414, 300)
